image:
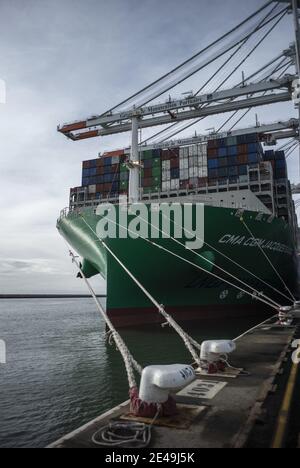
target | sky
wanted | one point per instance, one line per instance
(63, 60)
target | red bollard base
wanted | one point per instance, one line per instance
(143, 409)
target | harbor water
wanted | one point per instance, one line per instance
(61, 372)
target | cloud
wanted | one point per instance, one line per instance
(66, 59)
(40, 265)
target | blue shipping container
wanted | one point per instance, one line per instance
(175, 173)
(93, 163)
(253, 158)
(222, 152)
(223, 162)
(232, 160)
(222, 172)
(233, 171)
(107, 161)
(100, 179)
(281, 164)
(252, 147)
(243, 170)
(212, 173)
(107, 169)
(280, 155)
(213, 164)
(232, 150)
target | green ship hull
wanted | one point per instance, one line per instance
(187, 292)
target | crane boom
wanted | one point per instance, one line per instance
(184, 109)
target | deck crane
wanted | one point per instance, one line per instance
(252, 95)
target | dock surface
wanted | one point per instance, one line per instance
(245, 412)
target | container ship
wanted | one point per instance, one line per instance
(249, 225)
(234, 178)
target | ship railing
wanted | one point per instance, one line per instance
(64, 213)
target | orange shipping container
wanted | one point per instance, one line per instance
(111, 154)
(242, 149)
(242, 159)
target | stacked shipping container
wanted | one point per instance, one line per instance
(229, 159)
(103, 176)
(152, 171)
(278, 161)
(182, 168)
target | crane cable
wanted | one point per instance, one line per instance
(230, 74)
(220, 39)
(278, 68)
(201, 66)
(266, 66)
(268, 259)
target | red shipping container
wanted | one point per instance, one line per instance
(213, 144)
(242, 159)
(184, 184)
(100, 170)
(175, 163)
(100, 162)
(148, 173)
(165, 155)
(147, 182)
(202, 181)
(212, 153)
(174, 152)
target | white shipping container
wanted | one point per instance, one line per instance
(186, 151)
(193, 172)
(115, 160)
(181, 153)
(184, 174)
(202, 148)
(175, 184)
(92, 188)
(166, 175)
(184, 163)
(195, 150)
(202, 172)
(166, 186)
(166, 165)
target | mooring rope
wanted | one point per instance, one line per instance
(128, 359)
(251, 294)
(268, 259)
(233, 261)
(211, 262)
(185, 337)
